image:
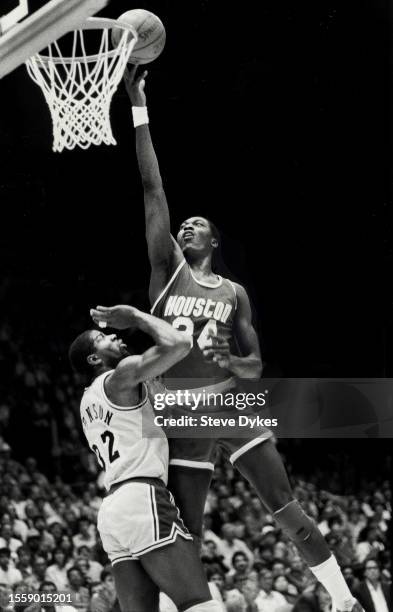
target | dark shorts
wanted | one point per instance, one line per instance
(233, 430)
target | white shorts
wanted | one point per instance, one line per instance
(137, 518)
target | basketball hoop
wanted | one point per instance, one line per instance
(79, 88)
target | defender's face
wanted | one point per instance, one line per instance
(195, 234)
(109, 348)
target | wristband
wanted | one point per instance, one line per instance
(140, 116)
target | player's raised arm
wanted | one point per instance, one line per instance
(164, 253)
(249, 365)
(171, 345)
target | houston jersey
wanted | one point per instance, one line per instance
(198, 309)
(126, 441)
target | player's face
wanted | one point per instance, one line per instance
(109, 348)
(195, 235)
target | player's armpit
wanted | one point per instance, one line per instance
(162, 271)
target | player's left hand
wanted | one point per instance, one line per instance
(117, 317)
(218, 351)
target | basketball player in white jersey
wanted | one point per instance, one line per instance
(141, 530)
(186, 292)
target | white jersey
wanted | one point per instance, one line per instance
(126, 441)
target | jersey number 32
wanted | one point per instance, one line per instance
(108, 439)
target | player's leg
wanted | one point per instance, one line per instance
(134, 587)
(177, 570)
(190, 474)
(262, 466)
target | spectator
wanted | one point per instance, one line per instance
(241, 568)
(46, 538)
(93, 568)
(278, 568)
(86, 534)
(39, 572)
(289, 591)
(104, 600)
(229, 545)
(57, 572)
(22, 588)
(79, 593)
(374, 595)
(8, 541)
(56, 529)
(299, 575)
(24, 562)
(250, 592)
(50, 587)
(8, 575)
(316, 600)
(215, 576)
(67, 546)
(19, 527)
(370, 542)
(267, 599)
(209, 555)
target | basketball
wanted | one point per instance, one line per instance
(151, 35)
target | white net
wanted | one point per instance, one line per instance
(79, 88)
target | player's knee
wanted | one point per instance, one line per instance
(295, 522)
(280, 498)
(206, 606)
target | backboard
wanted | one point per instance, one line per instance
(20, 40)
(8, 18)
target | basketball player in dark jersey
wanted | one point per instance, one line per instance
(186, 292)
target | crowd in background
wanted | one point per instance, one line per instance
(49, 540)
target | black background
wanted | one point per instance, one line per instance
(270, 118)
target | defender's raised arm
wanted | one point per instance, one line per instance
(170, 347)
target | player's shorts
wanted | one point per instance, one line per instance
(138, 517)
(200, 452)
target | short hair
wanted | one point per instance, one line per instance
(239, 553)
(46, 583)
(74, 568)
(372, 560)
(79, 351)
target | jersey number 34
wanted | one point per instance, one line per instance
(186, 325)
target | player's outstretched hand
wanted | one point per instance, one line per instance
(135, 86)
(117, 317)
(218, 351)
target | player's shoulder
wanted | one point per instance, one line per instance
(240, 290)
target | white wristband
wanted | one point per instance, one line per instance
(140, 116)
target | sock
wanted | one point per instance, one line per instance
(329, 574)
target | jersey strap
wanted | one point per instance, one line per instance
(170, 282)
(123, 408)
